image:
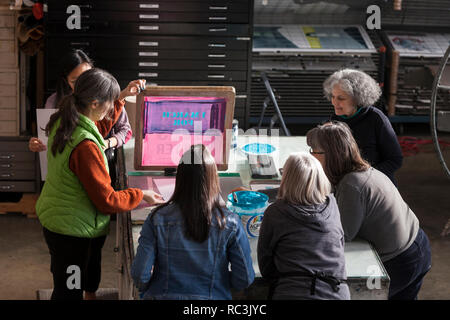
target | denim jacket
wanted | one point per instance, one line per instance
(185, 269)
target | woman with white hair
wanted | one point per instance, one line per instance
(301, 240)
(353, 94)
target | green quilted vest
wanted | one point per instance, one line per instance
(64, 206)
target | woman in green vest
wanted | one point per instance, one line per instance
(77, 199)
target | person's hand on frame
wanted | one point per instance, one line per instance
(133, 88)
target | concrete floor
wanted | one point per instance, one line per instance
(425, 187)
(25, 261)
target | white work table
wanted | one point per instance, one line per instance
(366, 275)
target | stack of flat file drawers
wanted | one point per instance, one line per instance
(166, 42)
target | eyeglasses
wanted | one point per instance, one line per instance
(311, 151)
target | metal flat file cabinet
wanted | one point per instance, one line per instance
(170, 42)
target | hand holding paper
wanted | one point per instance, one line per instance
(152, 198)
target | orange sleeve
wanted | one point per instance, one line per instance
(86, 161)
(104, 126)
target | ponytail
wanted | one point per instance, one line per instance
(68, 112)
(91, 85)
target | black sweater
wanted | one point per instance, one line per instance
(376, 139)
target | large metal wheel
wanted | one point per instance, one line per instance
(433, 121)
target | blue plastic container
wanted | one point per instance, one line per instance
(250, 207)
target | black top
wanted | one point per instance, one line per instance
(376, 139)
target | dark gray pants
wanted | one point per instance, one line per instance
(408, 269)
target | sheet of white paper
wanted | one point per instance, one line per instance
(42, 117)
(257, 187)
(165, 187)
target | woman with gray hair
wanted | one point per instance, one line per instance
(372, 208)
(301, 241)
(353, 94)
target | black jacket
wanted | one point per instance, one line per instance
(304, 239)
(376, 139)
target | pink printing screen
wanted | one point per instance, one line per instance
(172, 124)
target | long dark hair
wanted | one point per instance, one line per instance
(94, 84)
(342, 154)
(197, 191)
(68, 63)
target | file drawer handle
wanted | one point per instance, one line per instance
(216, 66)
(149, 28)
(217, 29)
(148, 44)
(87, 44)
(87, 6)
(7, 175)
(217, 8)
(149, 16)
(241, 96)
(148, 64)
(217, 19)
(9, 187)
(216, 76)
(148, 54)
(8, 165)
(9, 156)
(217, 45)
(148, 6)
(147, 74)
(217, 55)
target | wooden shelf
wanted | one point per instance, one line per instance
(26, 205)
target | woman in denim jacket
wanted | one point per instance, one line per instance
(186, 245)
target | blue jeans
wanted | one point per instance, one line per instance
(408, 269)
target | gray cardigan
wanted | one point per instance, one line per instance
(302, 239)
(372, 208)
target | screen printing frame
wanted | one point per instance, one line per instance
(226, 92)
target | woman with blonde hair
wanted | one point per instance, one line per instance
(301, 241)
(372, 208)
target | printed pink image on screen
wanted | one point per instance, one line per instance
(172, 124)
